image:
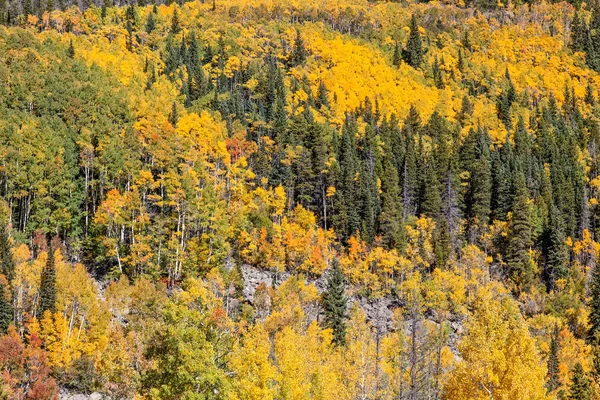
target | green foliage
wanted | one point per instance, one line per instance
(413, 52)
(335, 303)
(48, 284)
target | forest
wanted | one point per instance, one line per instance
(286, 200)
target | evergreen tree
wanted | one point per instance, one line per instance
(299, 54)
(174, 116)
(335, 304)
(581, 386)
(321, 100)
(413, 53)
(557, 251)
(48, 283)
(175, 25)
(150, 23)
(397, 55)
(7, 264)
(6, 310)
(579, 33)
(553, 362)
(589, 95)
(438, 76)
(594, 316)
(518, 260)
(71, 49)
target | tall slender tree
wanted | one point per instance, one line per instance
(48, 283)
(335, 303)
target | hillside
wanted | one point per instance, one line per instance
(274, 199)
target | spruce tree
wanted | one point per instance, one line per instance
(174, 116)
(594, 316)
(299, 51)
(518, 260)
(438, 76)
(557, 251)
(397, 55)
(7, 264)
(335, 304)
(175, 25)
(150, 23)
(6, 310)
(581, 386)
(48, 283)
(71, 49)
(590, 99)
(413, 53)
(553, 362)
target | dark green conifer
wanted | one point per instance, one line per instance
(581, 386)
(175, 25)
(174, 116)
(518, 259)
(413, 53)
(48, 283)
(438, 76)
(71, 49)
(594, 316)
(557, 256)
(150, 23)
(299, 53)
(397, 58)
(7, 264)
(335, 303)
(553, 362)
(6, 310)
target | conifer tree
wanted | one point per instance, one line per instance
(299, 51)
(150, 23)
(553, 362)
(589, 95)
(7, 264)
(438, 77)
(594, 316)
(48, 283)
(413, 53)
(581, 386)
(518, 260)
(175, 25)
(557, 252)
(6, 310)
(71, 49)
(335, 303)
(397, 58)
(174, 116)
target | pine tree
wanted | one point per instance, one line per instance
(48, 283)
(150, 23)
(321, 100)
(6, 310)
(518, 260)
(557, 251)
(174, 117)
(589, 95)
(594, 316)
(581, 386)
(7, 264)
(299, 51)
(335, 304)
(397, 55)
(578, 33)
(71, 49)
(438, 76)
(553, 362)
(413, 53)
(175, 25)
